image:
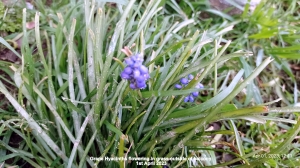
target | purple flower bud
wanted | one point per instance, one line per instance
(177, 86)
(199, 86)
(184, 81)
(132, 86)
(129, 61)
(186, 99)
(143, 69)
(140, 79)
(146, 76)
(137, 57)
(125, 75)
(141, 85)
(136, 73)
(128, 70)
(133, 57)
(137, 64)
(191, 98)
(190, 77)
(195, 94)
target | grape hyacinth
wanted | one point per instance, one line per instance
(185, 81)
(135, 72)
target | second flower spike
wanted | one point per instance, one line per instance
(185, 81)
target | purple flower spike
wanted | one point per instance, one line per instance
(184, 81)
(135, 72)
(177, 86)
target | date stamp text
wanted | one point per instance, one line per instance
(273, 156)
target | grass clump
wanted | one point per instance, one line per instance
(74, 108)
